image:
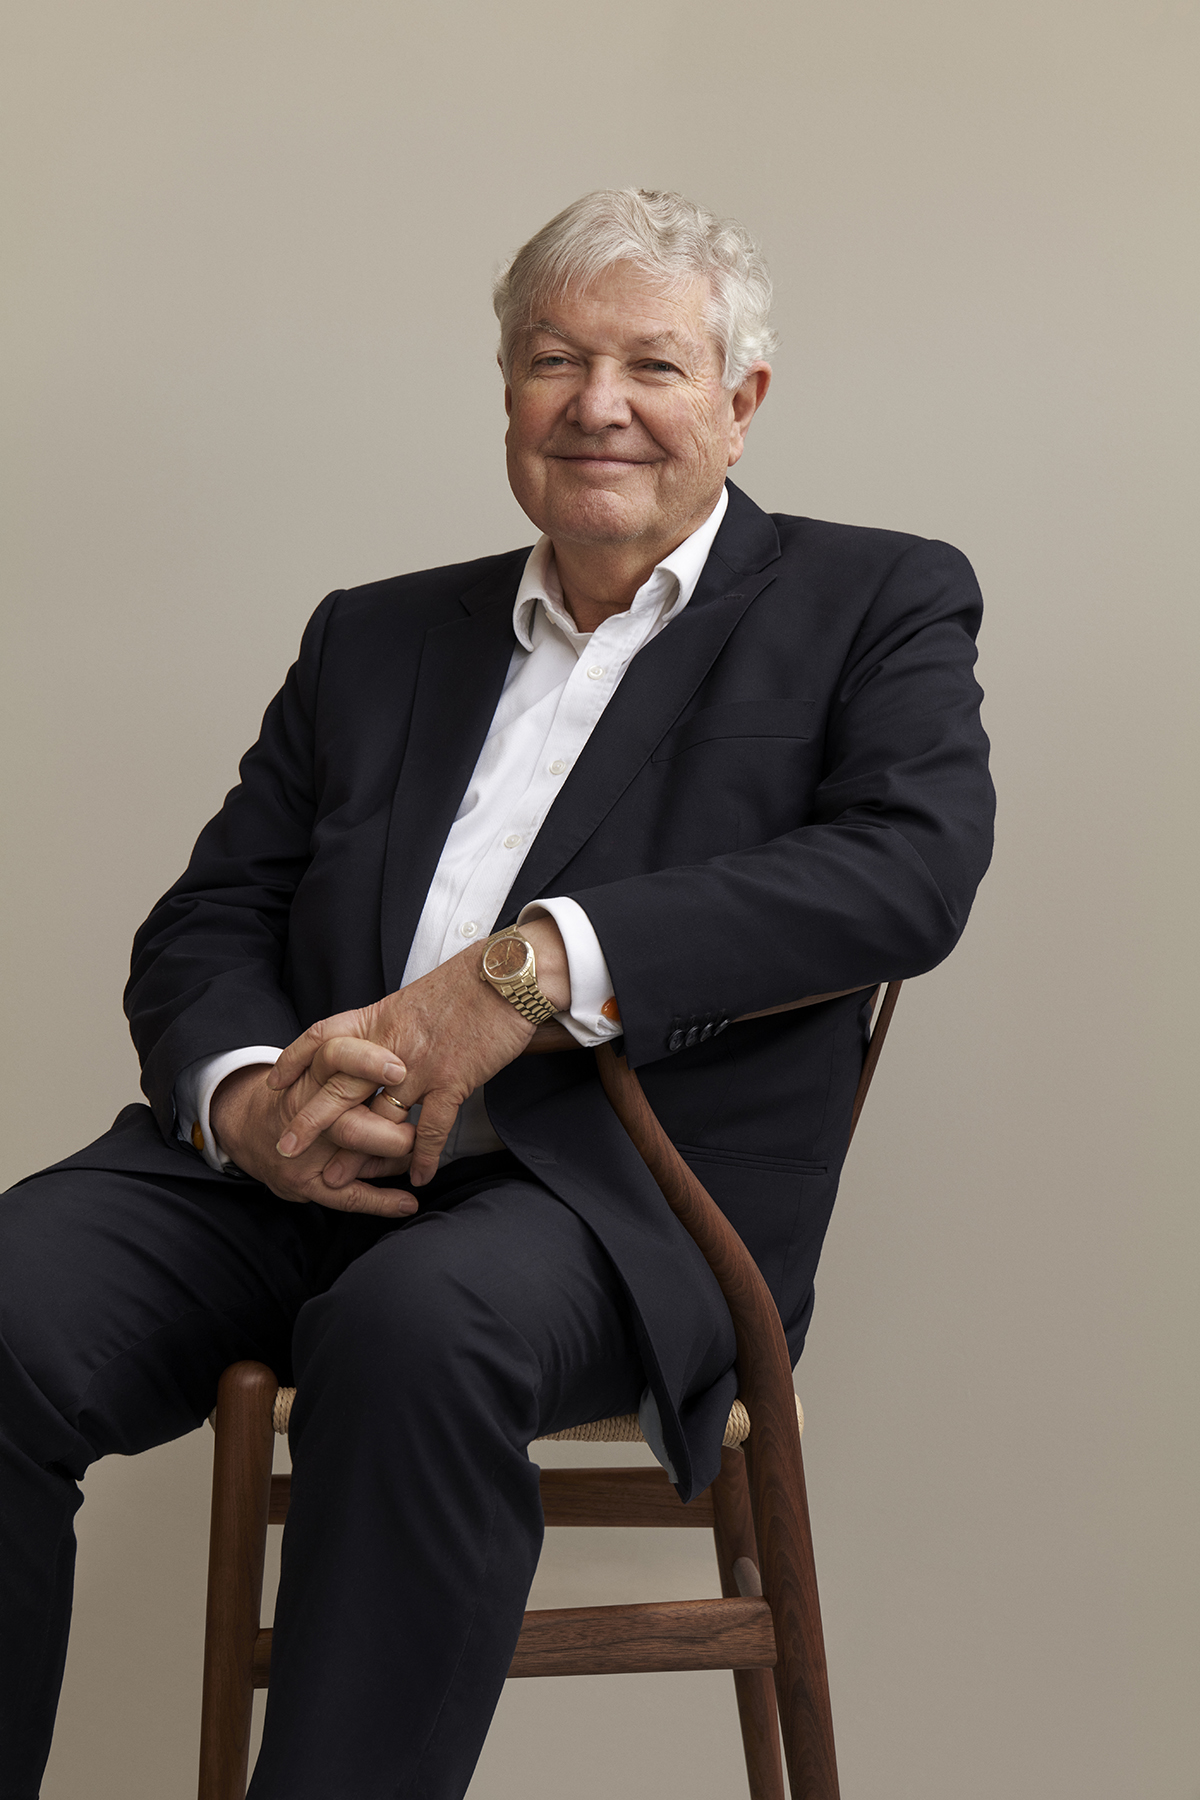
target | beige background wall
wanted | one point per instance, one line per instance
(249, 359)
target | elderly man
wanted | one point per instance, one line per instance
(696, 763)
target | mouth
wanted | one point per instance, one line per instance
(585, 461)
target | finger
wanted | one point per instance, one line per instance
(359, 1056)
(303, 1178)
(319, 1110)
(395, 1111)
(374, 1134)
(306, 1183)
(293, 1061)
(344, 1168)
(386, 1105)
(376, 1167)
(361, 1197)
(360, 1134)
(316, 1109)
(438, 1113)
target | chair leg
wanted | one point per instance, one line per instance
(237, 1552)
(779, 1504)
(733, 1529)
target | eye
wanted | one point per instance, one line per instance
(552, 360)
(661, 368)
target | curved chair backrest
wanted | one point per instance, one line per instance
(764, 1373)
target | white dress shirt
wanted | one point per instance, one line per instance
(559, 682)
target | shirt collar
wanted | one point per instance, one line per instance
(669, 588)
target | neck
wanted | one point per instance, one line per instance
(600, 580)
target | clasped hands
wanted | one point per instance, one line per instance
(317, 1127)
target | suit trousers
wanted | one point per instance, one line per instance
(428, 1354)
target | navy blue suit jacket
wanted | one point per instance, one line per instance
(787, 795)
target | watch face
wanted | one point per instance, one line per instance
(506, 959)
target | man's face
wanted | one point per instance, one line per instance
(619, 429)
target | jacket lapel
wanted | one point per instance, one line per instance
(657, 686)
(459, 682)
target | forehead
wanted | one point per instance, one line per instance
(624, 309)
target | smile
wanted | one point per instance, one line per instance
(603, 462)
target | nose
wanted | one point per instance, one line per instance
(600, 401)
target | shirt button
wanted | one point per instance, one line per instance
(595, 672)
(557, 766)
(512, 840)
(468, 927)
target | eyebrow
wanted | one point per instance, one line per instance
(656, 341)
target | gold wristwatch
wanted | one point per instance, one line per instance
(509, 966)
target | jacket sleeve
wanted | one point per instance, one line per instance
(876, 883)
(207, 964)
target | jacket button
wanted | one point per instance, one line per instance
(675, 1041)
(706, 1032)
(693, 1036)
(720, 1026)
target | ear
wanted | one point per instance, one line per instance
(507, 386)
(746, 401)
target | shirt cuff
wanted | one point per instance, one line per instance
(195, 1088)
(591, 983)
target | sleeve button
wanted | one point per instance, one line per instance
(693, 1037)
(706, 1031)
(675, 1041)
(720, 1026)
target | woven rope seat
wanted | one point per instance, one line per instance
(622, 1430)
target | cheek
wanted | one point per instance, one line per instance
(695, 455)
(521, 450)
(526, 424)
(698, 440)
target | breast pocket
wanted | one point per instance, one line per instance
(740, 719)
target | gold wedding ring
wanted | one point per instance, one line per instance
(400, 1105)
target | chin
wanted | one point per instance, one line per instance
(595, 518)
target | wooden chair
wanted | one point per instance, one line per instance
(767, 1626)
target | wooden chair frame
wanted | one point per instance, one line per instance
(766, 1627)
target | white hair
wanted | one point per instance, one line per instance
(663, 235)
